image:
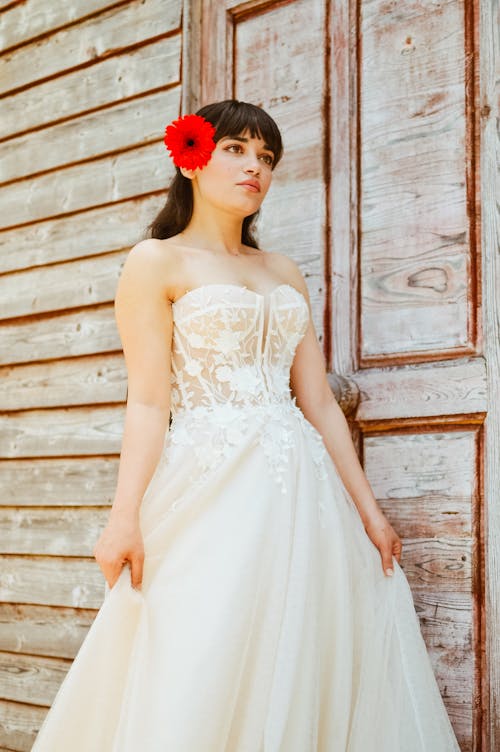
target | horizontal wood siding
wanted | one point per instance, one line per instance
(87, 88)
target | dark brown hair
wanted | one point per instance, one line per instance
(230, 118)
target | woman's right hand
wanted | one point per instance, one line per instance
(120, 541)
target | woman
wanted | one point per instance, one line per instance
(263, 608)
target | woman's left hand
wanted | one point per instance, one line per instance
(388, 542)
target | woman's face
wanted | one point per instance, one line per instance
(234, 159)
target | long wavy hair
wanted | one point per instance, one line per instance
(229, 118)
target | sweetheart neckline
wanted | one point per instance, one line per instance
(240, 287)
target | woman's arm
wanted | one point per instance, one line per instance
(313, 394)
(144, 319)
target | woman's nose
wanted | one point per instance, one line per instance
(253, 163)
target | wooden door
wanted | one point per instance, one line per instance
(377, 199)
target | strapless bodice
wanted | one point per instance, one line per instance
(233, 345)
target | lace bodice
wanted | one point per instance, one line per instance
(229, 346)
(232, 349)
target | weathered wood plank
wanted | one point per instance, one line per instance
(53, 532)
(290, 86)
(86, 331)
(119, 127)
(416, 290)
(444, 388)
(59, 432)
(29, 678)
(434, 563)
(43, 630)
(74, 381)
(435, 468)
(58, 482)
(91, 233)
(112, 178)
(488, 154)
(19, 724)
(428, 516)
(89, 41)
(61, 286)
(149, 67)
(51, 581)
(29, 19)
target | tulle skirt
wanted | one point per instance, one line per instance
(265, 622)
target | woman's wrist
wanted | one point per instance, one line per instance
(124, 512)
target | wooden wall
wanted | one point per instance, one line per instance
(87, 88)
(390, 150)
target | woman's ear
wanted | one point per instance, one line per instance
(187, 173)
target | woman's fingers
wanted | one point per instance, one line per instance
(137, 563)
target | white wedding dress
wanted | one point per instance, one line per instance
(265, 622)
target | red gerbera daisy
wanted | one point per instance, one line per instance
(189, 141)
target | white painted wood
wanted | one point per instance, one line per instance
(53, 531)
(83, 171)
(415, 262)
(27, 676)
(489, 158)
(454, 387)
(85, 331)
(154, 65)
(119, 127)
(106, 228)
(25, 20)
(54, 481)
(62, 431)
(73, 284)
(91, 40)
(127, 174)
(74, 381)
(43, 630)
(51, 581)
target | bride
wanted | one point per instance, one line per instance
(254, 599)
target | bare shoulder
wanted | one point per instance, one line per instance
(149, 267)
(288, 270)
(152, 253)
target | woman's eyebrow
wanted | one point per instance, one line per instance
(245, 140)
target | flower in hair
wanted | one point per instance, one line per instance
(189, 139)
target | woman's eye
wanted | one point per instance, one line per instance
(267, 157)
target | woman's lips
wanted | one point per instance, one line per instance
(249, 187)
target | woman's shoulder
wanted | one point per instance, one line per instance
(287, 269)
(153, 249)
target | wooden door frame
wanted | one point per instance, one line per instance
(341, 263)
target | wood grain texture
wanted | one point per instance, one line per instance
(51, 581)
(417, 294)
(59, 481)
(89, 329)
(62, 431)
(52, 531)
(87, 90)
(74, 381)
(100, 36)
(28, 20)
(114, 129)
(431, 500)
(154, 65)
(19, 723)
(118, 177)
(489, 156)
(43, 630)
(265, 63)
(91, 233)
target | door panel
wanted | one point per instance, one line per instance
(376, 200)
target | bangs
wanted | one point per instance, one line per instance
(232, 118)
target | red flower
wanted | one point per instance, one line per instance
(189, 141)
